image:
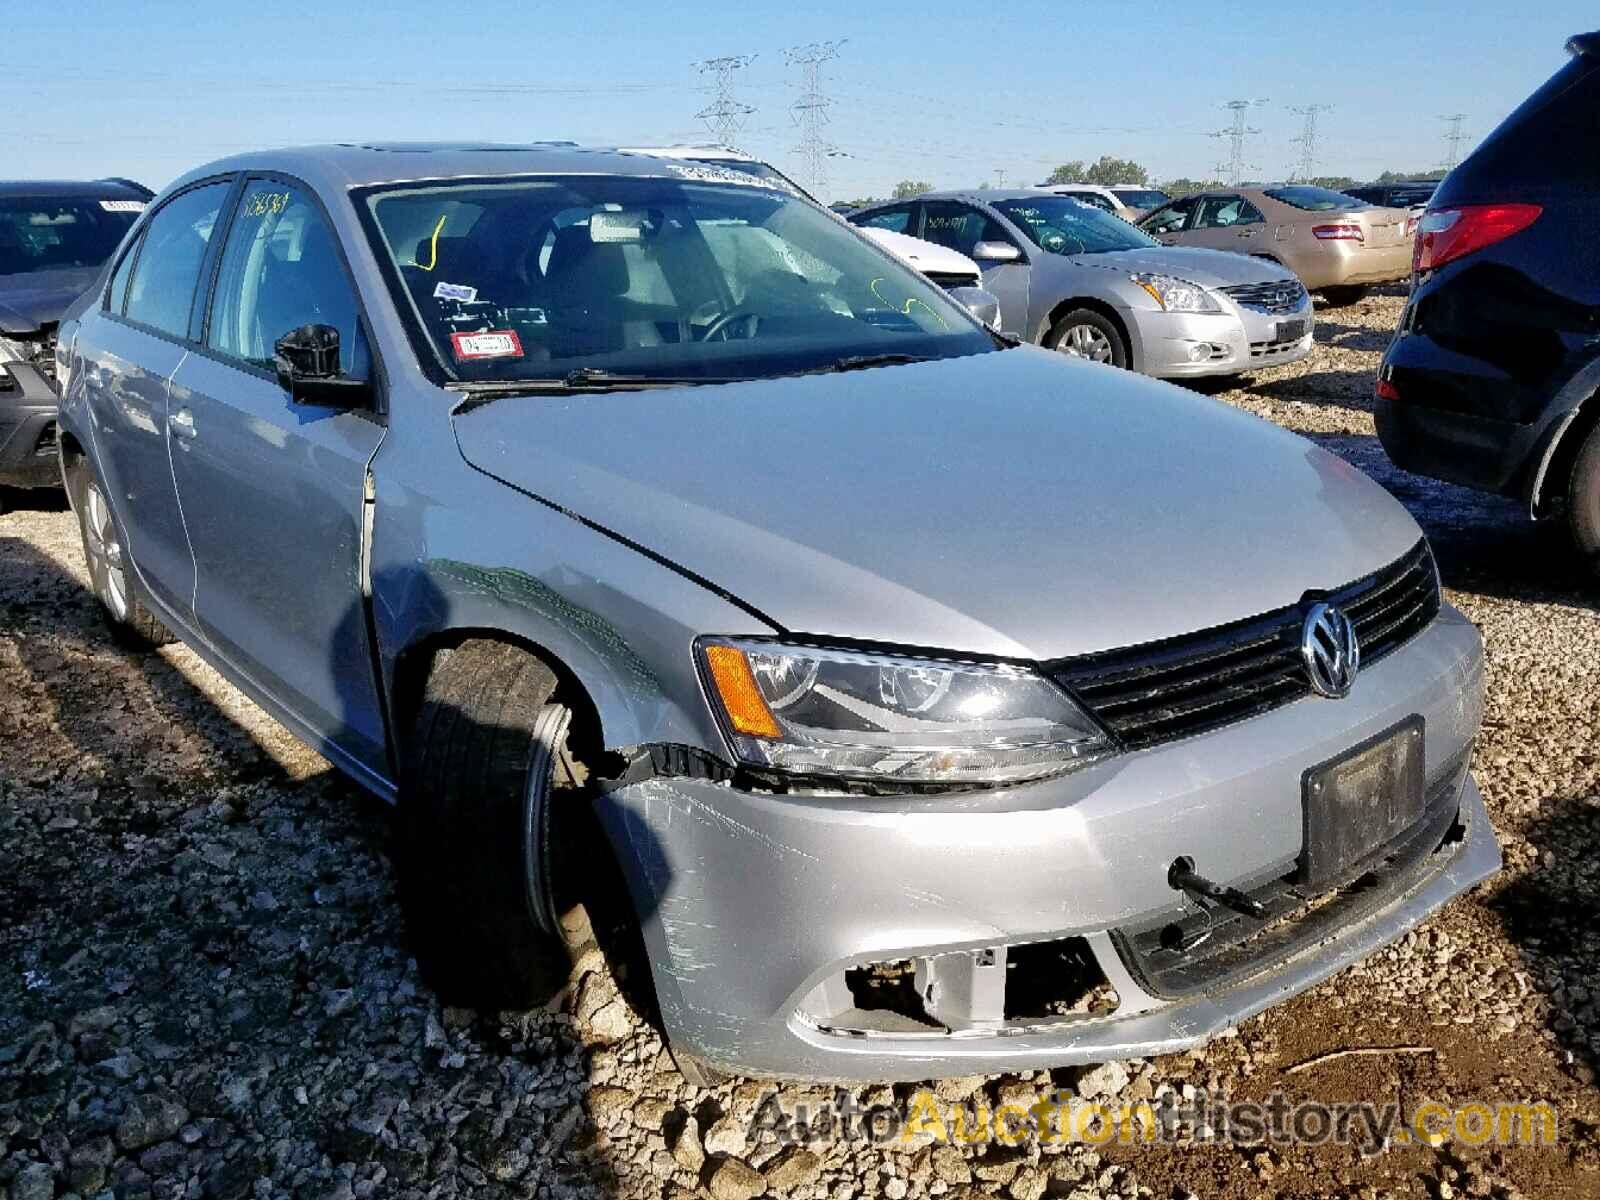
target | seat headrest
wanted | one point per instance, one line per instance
(580, 264)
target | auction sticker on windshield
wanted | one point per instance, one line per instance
(499, 343)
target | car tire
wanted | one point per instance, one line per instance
(1084, 333)
(1339, 297)
(111, 575)
(486, 758)
(1583, 501)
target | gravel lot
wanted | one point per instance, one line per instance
(205, 987)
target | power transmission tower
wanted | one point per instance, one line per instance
(1000, 177)
(810, 111)
(1307, 141)
(724, 116)
(1237, 134)
(1453, 139)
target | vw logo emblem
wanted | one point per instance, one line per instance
(1330, 651)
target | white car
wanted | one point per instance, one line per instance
(1125, 201)
(948, 268)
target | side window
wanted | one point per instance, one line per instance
(895, 220)
(960, 227)
(117, 294)
(1222, 212)
(161, 292)
(1169, 219)
(280, 270)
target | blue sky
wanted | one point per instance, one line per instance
(951, 93)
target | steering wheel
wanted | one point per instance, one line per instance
(720, 326)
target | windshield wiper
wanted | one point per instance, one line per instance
(582, 379)
(862, 362)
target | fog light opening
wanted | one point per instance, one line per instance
(1051, 980)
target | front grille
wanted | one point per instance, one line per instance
(953, 279)
(1187, 685)
(1278, 296)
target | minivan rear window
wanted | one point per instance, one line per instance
(1315, 199)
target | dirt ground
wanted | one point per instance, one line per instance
(206, 988)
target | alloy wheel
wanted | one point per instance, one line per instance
(108, 573)
(1085, 341)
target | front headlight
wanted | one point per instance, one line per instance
(889, 718)
(1178, 295)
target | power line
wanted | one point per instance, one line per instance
(1453, 139)
(725, 116)
(1237, 134)
(810, 111)
(1307, 141)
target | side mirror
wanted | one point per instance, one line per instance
(307, 362)
(996, 252)
(981, 304)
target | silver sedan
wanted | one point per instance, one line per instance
(1075, 279)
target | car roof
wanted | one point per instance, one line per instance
(343, 166)
(983, 195)
(91, 189)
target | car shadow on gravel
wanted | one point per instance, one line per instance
(1551, 912)
(205, 978)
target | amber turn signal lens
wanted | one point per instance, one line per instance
(741, 698)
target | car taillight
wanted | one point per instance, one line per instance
(1339, 233)
(1387, 391)
(1445, 234)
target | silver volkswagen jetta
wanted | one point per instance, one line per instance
(1073, 278)
(939, 705)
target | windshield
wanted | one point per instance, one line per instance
(684, 278)
(1315, 199)
(43, 233)
(1142, 197)
(1064, 226)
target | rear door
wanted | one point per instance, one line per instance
(273, 489)
(129, 359)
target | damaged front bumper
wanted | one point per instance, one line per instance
(901, 938)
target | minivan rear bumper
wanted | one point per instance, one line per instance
(754, 906)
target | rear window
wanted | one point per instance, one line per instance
(1141, 198)
(42, 233)
(1315, 199)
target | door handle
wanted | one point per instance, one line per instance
(182, 423)
(1246, 233)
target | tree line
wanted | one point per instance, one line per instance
(1110, 171)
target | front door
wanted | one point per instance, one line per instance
(962, 227)
(273, 489)
(1227, 222)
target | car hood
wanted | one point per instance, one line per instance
(924, 256)
(40, 297)
(1016, 504)
(1208, 268)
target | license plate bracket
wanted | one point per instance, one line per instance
(1355, 803)
(1290, 331)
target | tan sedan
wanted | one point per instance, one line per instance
(1338, 245)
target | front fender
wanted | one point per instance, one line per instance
(497, 562)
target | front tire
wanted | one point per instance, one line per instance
(111, 574)
(486, 762)
(1583, 502)
(1084, 333)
